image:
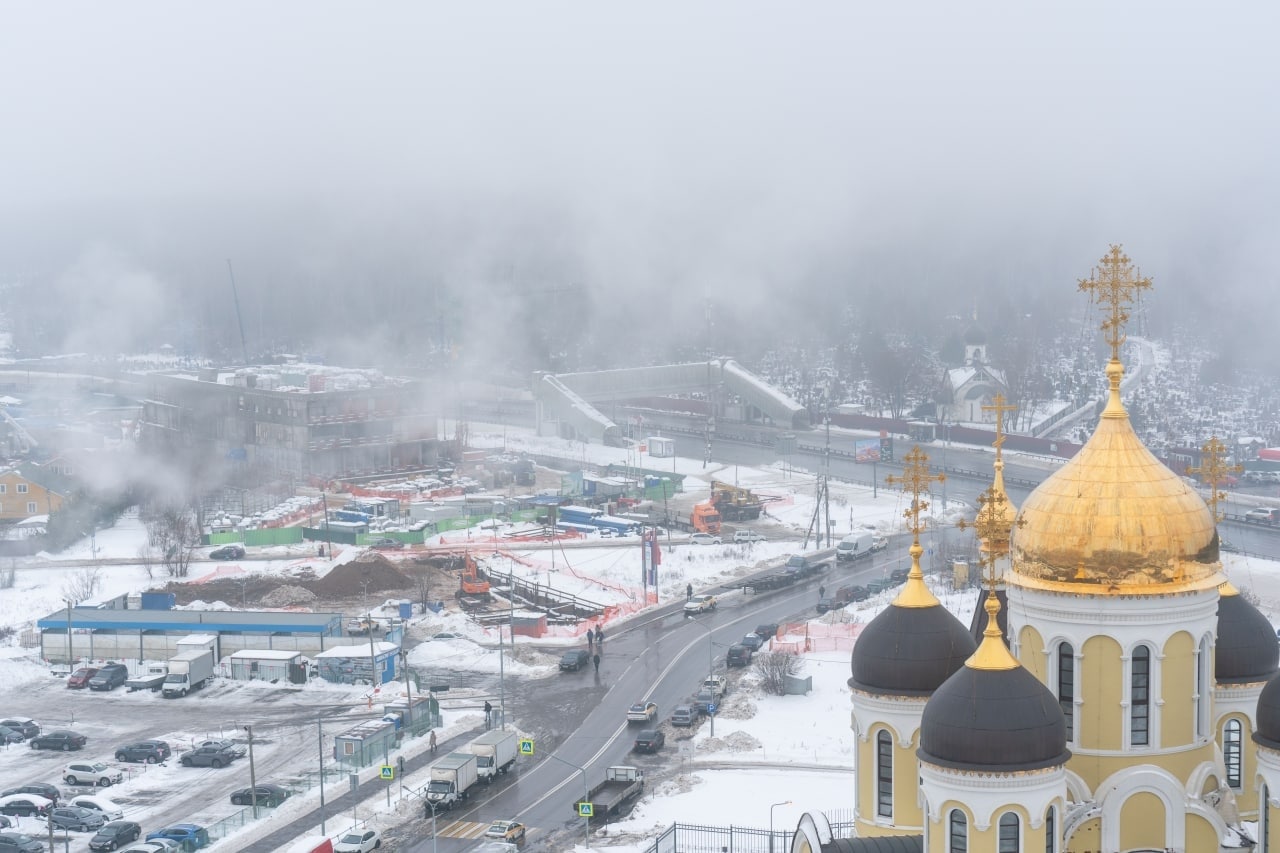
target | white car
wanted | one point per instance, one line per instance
(109, 810)
(704, 539)
(747, 536)
(91, 773)
(359, 841)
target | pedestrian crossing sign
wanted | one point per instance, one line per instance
(388, 773)
(526, 746)
(586, 810)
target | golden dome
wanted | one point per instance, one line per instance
(1115, 516)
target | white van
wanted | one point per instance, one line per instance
(855, 546)
(101, 805)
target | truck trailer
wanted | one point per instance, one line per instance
(621, 785)
(452, 778)
(495, 753)
(188, 671)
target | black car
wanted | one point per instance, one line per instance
(268, 795)
(899, 575)
(29, 728)
(40, 789)
(16, 842)
(149, 751)
(767, 631)
(227, 552)
(739, 654)
(574, 659)
(115, 835)
(24, 806)
(109, 677)
(752, 641)
(8, 735)
(649, 740)
(60, 739)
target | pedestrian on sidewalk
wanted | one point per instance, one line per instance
(596, 661)
(432, 741)
(688, 591)
(591, 639)
(600, 637)
(488, 714)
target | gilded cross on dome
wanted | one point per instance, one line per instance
(1115, 282)
(991, 526)
(915, 479)
(1213, 470)
(999, 406)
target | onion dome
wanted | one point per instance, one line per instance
(974, 335)
(1115, 516)
(1268, 731)
(1247, 650)
(913, 646)
(993, 715)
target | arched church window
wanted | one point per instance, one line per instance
(884, 774)
(1009, 842)
(958, 832)
(1067, 686)
(1231, 752)
(1051, 830)
(1202, 689)
(1140, 697)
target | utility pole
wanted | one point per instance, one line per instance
(826, 474)
(408, 693)
(253, 778)
(320, 744)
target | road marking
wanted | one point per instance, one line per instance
(462, 829)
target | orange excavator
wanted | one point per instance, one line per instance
(470, 583)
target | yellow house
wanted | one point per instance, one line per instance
(22, 496)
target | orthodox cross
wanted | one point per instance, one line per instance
(1213, 470)
(999, 406)
(915, 479)
(1115, 282)
(989, 526)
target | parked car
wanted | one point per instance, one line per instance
(40, 789)
(359, 842)
(24, 805)
(268, 795)
(17, 842)
(26, 725)
(738, 655)
(1263, 515)
(76, 819)
(59, 739)
(115, 835)
(91, 773)
(155, 845)
(700, 604)
(189, 835)
(108, 809)
(7, 822)
(227, 552)
(704, 539)
(506, 830)
(574, 659)
(79, 679)
(147, 751)
(683, 716)
(747, 536)
(649, 740)
(704, 701)
(8, 735)
(752, 641)
(767, 631)
(109, 677)
(385, 543)
(642, 712)
(208, 756)
(222, 743)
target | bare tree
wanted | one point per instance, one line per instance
(8, 577)
(774, 669)
(173, 532)
(83, 585)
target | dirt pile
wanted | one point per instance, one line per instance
(350, 579)
(287, 596)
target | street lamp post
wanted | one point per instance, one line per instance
(586, 794)
(432, 806)
(253, 778)
(771, 808)
(711, 665)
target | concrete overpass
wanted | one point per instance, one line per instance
(572, 401)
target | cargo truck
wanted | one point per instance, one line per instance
(188, 671)
(620, 787)
(452, 778)
(495, 753)
(152, 679)
(703, 518)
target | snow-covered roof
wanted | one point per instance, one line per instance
(361, 650)
(265, 654)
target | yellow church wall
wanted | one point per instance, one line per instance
(1246, 795)
(1101, 682)
(939, 829)
(907, 817)
(1086, 839)
(1201, 834)
(1031, 653)
(1094, 769)
(988, 840)
(1142, 820)
(1178, 682)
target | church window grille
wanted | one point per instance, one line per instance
(1140, 696)
(1202, 690)
(1009, 834)
(884, 774)
(1067, 686)
(1231, 752)
(959, 830)
(1051, 831)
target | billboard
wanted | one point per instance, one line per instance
(866, 450)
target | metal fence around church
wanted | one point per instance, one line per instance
(695, 838)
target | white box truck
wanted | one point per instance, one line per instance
(187, 671)
(495, 753)
(452, 778)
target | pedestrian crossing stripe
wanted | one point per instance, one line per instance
(463, 829)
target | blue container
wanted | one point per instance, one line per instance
(158, 600)
(406, 610)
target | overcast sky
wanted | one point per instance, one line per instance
(695, 150)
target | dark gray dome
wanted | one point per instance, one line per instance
(975, 335)
(1247, 649)
(1268, 732)
(909, 651)
(993, 719)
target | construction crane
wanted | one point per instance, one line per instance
(28, 443)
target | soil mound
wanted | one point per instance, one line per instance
(349, 579)
(286, 596)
